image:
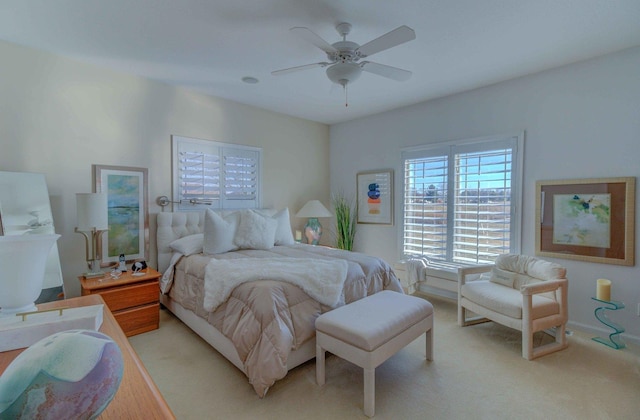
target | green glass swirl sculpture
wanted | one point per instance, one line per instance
(614, 339)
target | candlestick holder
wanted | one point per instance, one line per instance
(614, 340)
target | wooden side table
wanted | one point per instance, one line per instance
(138, 397)
(133, 300)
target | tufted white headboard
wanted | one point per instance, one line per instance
(176, 225)
(172, 226)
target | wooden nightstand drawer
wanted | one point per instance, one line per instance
(138, 320)
(130, 296)
(133, 300)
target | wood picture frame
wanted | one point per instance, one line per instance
(375, 197)
(128, 212)
(586, 219)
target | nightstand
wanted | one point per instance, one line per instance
(133, 300)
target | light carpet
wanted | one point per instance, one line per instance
(478, 373)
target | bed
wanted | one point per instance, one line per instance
(253, 293)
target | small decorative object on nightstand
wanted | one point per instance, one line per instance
(133, 300)
(313, 230)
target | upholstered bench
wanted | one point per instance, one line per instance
(369, 331)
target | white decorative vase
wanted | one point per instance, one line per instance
(22, 267)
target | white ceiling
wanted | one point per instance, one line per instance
(209, 45)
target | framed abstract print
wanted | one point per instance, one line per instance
(586, 219)
(375, 197)
(128, 214)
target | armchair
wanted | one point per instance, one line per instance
(521, 292)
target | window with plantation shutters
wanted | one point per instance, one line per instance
(240, 177)
(462, 200)
(215, 175)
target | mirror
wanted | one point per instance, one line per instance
(25, 210)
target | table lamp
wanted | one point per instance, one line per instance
(313, 230)
(92, 220)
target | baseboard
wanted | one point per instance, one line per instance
(428, 290)
(602, 332)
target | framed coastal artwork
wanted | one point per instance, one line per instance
(586, 219)
(128, 214)
(375, 197)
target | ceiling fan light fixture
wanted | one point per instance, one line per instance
(344, 73)
(343, 57)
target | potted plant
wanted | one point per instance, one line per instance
(345, 221)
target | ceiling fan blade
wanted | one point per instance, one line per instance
(386, 71)
(398, 36)
(312, 37)
(297, 68)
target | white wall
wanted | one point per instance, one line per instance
(59, 116)
(581, 121)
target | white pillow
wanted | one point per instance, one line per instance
(503, 277)
(255, 231)
(187, 245)
(219, 232)
(284, 236)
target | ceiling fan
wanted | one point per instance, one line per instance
(344, 57)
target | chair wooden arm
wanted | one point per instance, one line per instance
(543, 286)
(463, 272)
(546, 286)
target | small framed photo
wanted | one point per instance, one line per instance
(375, 197)
(128, 214)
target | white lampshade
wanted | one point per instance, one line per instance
(92, 211)
(313, 208)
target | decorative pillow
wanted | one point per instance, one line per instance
(219, 232)
(188, 245)
(545, 270)
(255, 231)
(502, 277)
(284, 236)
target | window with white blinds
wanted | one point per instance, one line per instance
(215, 175)
(461, 200)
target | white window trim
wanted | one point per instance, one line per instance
(222, 149)
(516, 198)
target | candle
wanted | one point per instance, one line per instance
(298, 235)
(603, 290)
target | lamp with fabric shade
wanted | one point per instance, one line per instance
(313, 210)
(92, 221)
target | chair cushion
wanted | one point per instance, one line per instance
(531, 266)
(507, 301)
(370, 322)
(527, 270)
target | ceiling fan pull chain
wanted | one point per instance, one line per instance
(346, 96)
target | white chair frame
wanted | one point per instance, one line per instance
(527, 325)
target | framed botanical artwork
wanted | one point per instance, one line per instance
(375, 197)
(128, 214)
(586, 219)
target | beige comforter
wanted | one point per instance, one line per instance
(268, 319)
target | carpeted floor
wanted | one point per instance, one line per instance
(478, 373)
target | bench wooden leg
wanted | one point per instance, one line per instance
(369, 392)
(320, 365)
(429, 340)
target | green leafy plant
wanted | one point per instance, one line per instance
(345, 221)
